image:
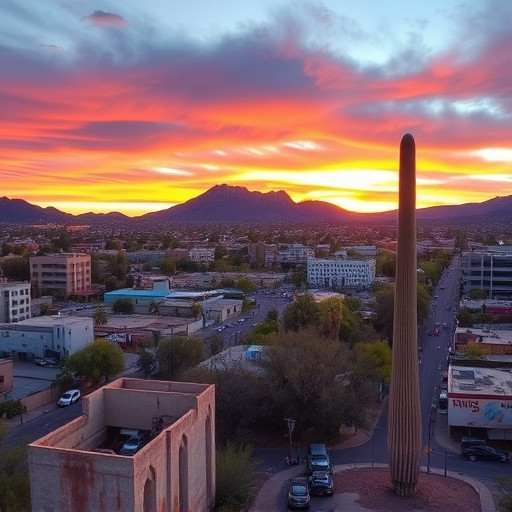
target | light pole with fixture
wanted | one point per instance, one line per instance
(291, 425)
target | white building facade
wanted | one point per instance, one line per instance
(46, 336)
(201, 254)
(338, 273)
(14, 301)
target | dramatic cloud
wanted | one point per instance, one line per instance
(122, 96)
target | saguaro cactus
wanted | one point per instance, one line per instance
(404, 427)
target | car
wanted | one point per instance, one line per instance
(132, 445)
(443, 399)
(466, 442)
(318, 458)
(69, 398)
(298, 492)
(484, 452)
(40, 361)
(320, 483)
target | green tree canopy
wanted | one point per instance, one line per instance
(14, 478)
(175, 354)
(96, 363)
(373, 360)
(235, 467)
(167, 266)
(301, 313)
(123, 305)
(100, 316)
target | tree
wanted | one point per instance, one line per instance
(330, 318)
(96, 363)
(301, 313)
(216, 343)
(100, 316)
(305, 374)
(246, 285)
(167, 266)
(16, 269)
(262, 333)
(12, 408)
(196, 309)
(234, 472)
(373, 360)
(147, 361)
(123, 305)
(14, 478)
(176, 354)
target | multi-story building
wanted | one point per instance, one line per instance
(56, 336)
(296, 253)
(201, 254)
(14, 301)
(62, 274)
(339, 272)
(489, 270)
(174, 468)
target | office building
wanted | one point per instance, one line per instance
(62, 275)
(489, 270)
(339, 272)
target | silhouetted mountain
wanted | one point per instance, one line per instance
(18, 211)
(224, 203)
(227, 204)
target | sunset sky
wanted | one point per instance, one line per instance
(136, 106)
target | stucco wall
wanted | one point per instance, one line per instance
(180, 461)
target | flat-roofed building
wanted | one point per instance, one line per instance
(173, 470)
(480, 396)
(201, 254)
(14, 301)
(489, 270)
(6, 375)
(62, 274)
(339, 272)
(54, 336)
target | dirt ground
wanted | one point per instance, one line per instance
(436, 493)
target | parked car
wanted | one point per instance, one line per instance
(40, 361)
(320, 483)
(468, 442)
(132, 445)
(484, 452)
(69, 398)
(298, 492)
(318, 458)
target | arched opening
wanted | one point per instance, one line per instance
(183, 468)
(149, 503)
(208, 450)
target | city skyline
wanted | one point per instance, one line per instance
(116, 107)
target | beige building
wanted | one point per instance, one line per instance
(6, 375)
(63, 274)
(77, 467)
(14, 301)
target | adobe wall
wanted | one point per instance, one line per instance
(80, 481)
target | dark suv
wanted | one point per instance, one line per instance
(468, 442)
(318, 458)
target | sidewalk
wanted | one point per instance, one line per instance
(347, 502)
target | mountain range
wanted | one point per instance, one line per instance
(229, 204)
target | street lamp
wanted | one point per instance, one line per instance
(291, 425)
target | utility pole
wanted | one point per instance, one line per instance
(291, 425)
